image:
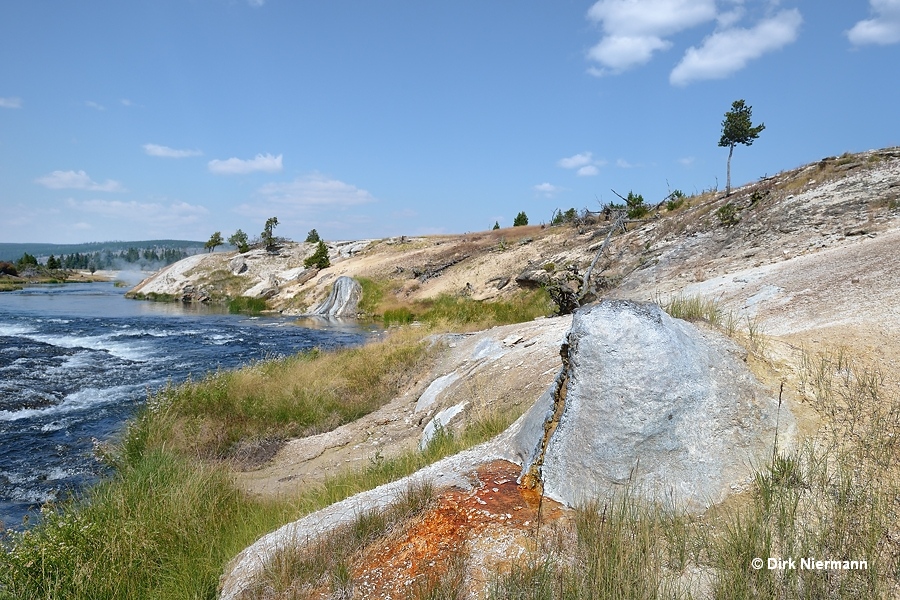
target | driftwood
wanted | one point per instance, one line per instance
(428, 271)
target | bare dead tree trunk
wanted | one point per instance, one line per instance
(728, 175)
(619, 222)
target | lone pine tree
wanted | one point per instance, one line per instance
(737, 129)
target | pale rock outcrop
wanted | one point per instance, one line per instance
(653, 403)
(342, 301)
(438, 422)
(237, 265)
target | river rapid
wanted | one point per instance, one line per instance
(77, 360)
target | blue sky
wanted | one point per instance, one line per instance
(176, 118)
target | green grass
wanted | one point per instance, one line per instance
(372, 295)
(380, 301)
(313, 392)
(6, 286)
(694, 308)
(165, 526)
(243, 304)
(152, 297)
(456, 310)
(617, 548)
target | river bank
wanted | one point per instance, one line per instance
(79, 360)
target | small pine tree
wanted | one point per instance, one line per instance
(319, 258)
(268, 237)
(636, 206)
(520, 220)
(313, 237)
(239, 240)
(214, 240)
(496, 225)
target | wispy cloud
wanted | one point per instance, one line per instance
(624, 164)
(150, 213)
(10, 102)
(548, 190)
(578, 160)
(883, 28)
(256, 3)
(686, 161)
(77, 180)
(166, 152)
(236, 166)
(126, 102)
(728, 51)
(295, 199)
(94, 105)
(634, 30)
(584, 162)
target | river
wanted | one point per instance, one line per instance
(77, 360)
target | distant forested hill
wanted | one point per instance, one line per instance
(13, 252)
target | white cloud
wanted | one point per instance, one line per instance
(651, 17)
(256, 3)
(728, 51)
(151, 213)
(619, 53)
(573, 162)
(236, 166)
(94, 105)
(686, 161)
(10, 103)
(77, 180)
(624, 164)
(166, 152)
(728, 18)
(585, 163)
(295, 199)
(126, 102)
(548, 190)
(635, 29)
(883, 28)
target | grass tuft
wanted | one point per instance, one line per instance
(695, 308)
(243, 304)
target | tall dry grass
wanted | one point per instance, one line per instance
(833, 497)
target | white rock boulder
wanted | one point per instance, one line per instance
(654, 403)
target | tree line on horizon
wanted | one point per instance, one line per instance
(101, 260)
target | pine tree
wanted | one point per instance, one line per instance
(319, 258)
(737, 129)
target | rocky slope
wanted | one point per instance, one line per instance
(839, 203)
(806, 260)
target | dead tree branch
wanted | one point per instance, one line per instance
(619, 222)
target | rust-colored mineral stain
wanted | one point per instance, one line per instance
(391, 568)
